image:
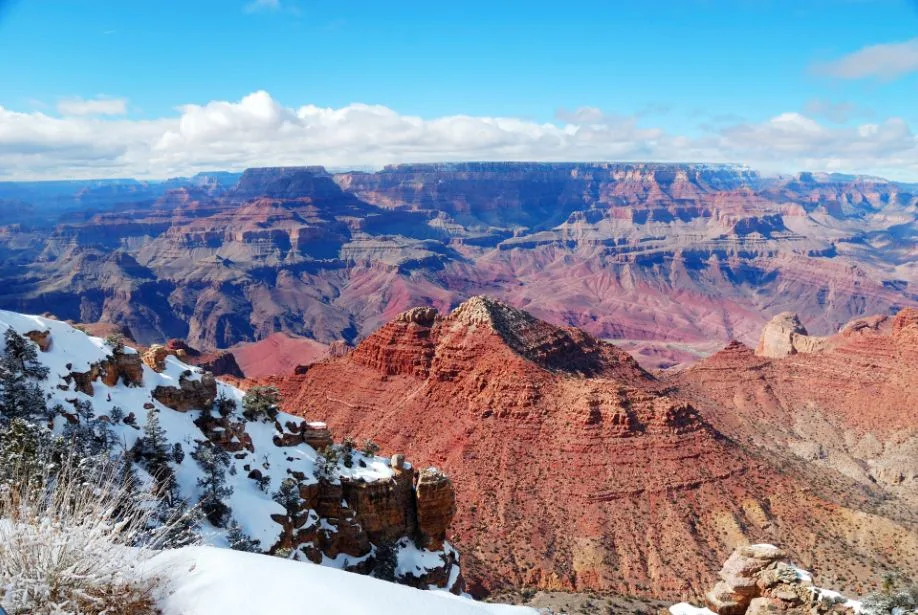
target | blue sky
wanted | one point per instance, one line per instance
(686, 69)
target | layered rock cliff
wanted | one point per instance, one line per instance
(678, 254)
(574, 468)
(847, 401)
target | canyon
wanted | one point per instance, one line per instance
(576, 469)
(677, 259)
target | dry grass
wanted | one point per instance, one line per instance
(68, 546)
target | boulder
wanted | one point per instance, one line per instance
(756, 581)
(42, 338)
(191, 394)
(317, 435)
(785, 335)
(155, 357)
(125, 367)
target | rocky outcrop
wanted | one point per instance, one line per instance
(122, 366)
(42, 338)
(436, 505)
(785, 335)
(757, 580)
(193, 393)
(317, 435)
(155, 357)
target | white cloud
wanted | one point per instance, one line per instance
(886, 61)
(92, 106)
(259, 131)
(838, 112)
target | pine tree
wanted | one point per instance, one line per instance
(154, 452)
(288, 496)
(240, 541)
(261, 403)
(213, 461)
(27, 450)
(20, 355)
(225, 405)
(20, 395)
(326, 467)
(385, 562)
(348, 446)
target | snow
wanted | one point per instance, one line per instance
(412, 560)
(684, 608)
(73, 351)
(803, 575)
(208, 581)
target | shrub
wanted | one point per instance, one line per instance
(370, 448)
(261, 403)
(891, 600)
(327, 463)
(116, 342)
(63, 546)
(348, 446)
(225, 405)
(385, 562)
(240, 541)
(288, 496)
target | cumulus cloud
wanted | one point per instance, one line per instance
(886, 61)
(92, 106)
(260, 131)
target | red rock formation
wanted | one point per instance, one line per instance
(191, 394)
(674, 253)
(850, 404)
(278, 354)
(573, 467)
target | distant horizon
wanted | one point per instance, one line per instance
(336, 170)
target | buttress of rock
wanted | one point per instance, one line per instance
(436, 501)
(785, 335)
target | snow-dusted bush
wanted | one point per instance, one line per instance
(69, 546)
(892, 601)
(261, 403)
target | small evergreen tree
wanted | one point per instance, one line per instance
(348, 446)
(225, 405)
(326, 467)
(288, 496)
(178, 454)
(116, 342)
(20, 355)
(20, 394)
(385, 562)
(213, 461)
(240, 541)
(89, 435)
(27, 450)
(261, 403)
(263, 482)
(370, 448)
(116, 414)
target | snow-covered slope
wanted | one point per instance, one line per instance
(208, 581)
(329, 529)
